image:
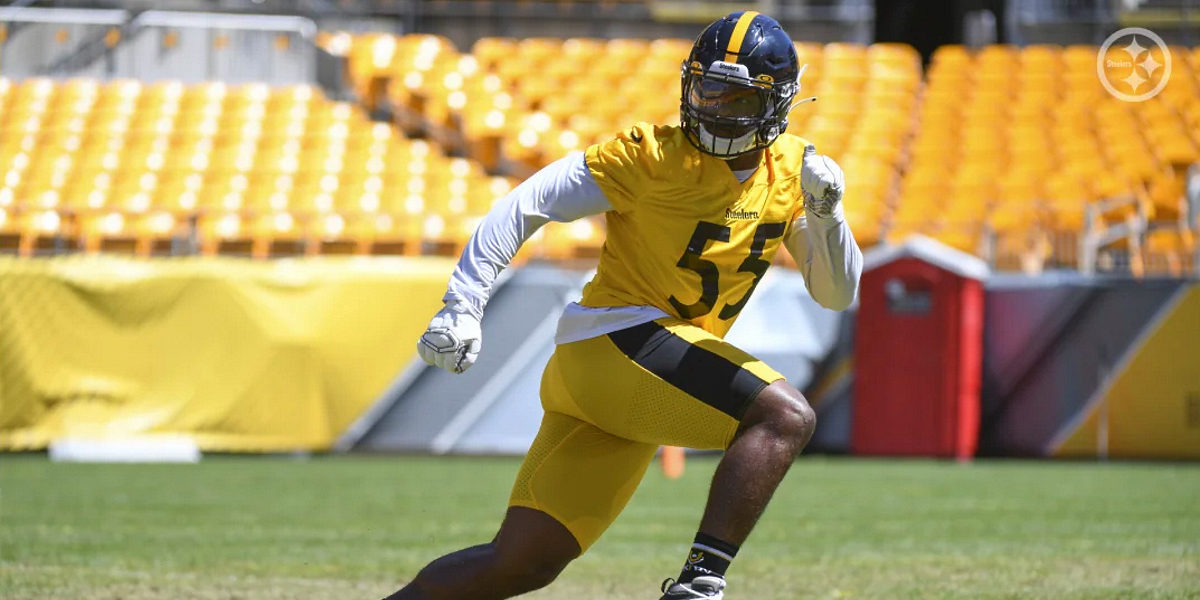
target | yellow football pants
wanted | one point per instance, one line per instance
(612, 400)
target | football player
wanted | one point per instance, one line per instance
(695, 215)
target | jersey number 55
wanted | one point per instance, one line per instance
(710, 281)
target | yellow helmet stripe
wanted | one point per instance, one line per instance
(739, 35)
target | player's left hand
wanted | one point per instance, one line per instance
(823, 183)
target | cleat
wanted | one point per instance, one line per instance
(710, 588)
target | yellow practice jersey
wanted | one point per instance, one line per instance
(684, 234)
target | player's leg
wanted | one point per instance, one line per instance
(776, 427)
(530, 550)
(555, 514)
(580, 475)
(698, 391)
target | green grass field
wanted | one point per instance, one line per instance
(356, 527)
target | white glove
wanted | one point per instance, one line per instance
(823, 183)
(453, 339)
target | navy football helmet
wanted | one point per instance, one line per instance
(738, 84)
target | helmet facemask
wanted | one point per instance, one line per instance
(726, 113)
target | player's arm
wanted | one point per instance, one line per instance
(562, 191)
(821, 241)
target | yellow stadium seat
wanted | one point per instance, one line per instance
(387, 234)
(894, 52)
(950, 56)
(341, 233)
(109, 231)
(580, 51)
(626, 50)
(1016, 213)
(962, 237)
(1170, 250)
(492, 51)
(581, 239)
(866, 222)
(225, 233)
(10, 231)
(535, 52)
(277, 234)
(46, 232)
(1040, 58)
(669, 53)
(1077, 56)
(1067, 194)
(1166, 194)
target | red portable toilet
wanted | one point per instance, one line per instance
(918, 350)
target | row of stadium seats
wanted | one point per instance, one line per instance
(1033, 141)
(999, 150)
(533, 100)
(1001, 146)
(1031, 138)
(248, 169)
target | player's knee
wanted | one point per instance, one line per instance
(784, 410)
(530, 550)
(540, 576)
(533, 574)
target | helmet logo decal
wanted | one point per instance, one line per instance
(728, 68)
(739, 35)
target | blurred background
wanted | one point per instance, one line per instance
(224, 223)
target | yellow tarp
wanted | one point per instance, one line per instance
(239, 355)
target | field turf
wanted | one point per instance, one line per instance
(355, 527)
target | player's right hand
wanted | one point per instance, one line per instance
(453, 339)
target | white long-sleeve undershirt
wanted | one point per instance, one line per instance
(562, 191)
(565, 190)
(827, 254)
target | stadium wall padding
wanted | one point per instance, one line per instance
(1085, 367)
(1150, 406)
(1073, 366)
(239, 355)
(283, 355)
